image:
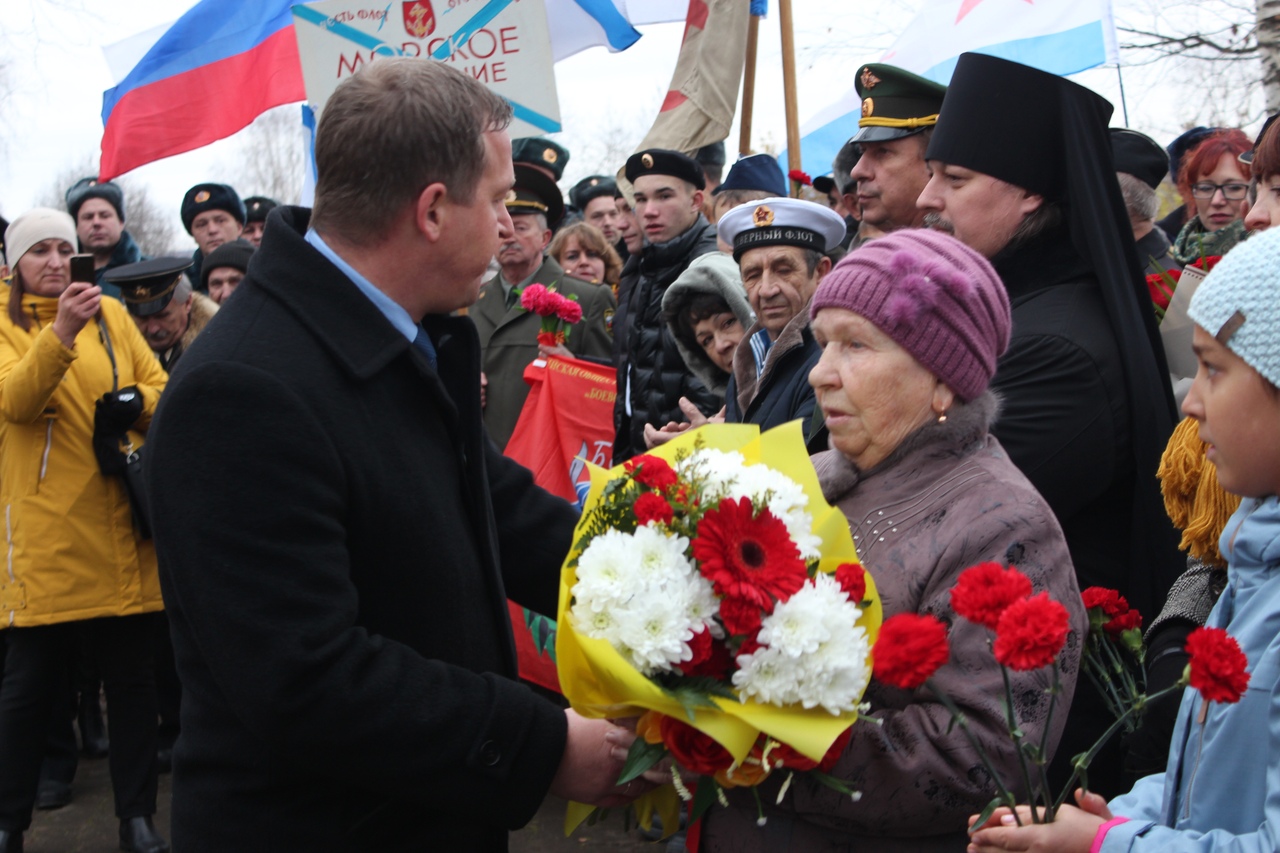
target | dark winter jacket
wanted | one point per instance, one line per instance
(1067, 423)
(338, 539)
(125, 252)
(947, 498)
(782, 391)
(652, 377)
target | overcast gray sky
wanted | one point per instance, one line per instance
(55, 73)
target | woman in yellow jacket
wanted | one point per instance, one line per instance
(74, 563)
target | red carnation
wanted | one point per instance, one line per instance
(800, 177)
(909, 650)
(696, 752)
(741, 617)
(568, 310)
(853, 580)
(1160, 287)
(1126, 621)
(796, 761)
(1031, 633)
(710, 657)
(652, 471)
(536, 298)
(1111, 601)
(750, 645)
(748, 556)
(652, 506)
(1217, 665)
(982, 592)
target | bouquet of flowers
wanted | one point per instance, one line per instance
(715, 596)
(1114, 654)
(1162, 283)
(556, 310)
(1029, 632)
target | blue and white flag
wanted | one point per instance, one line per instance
(1059, 36)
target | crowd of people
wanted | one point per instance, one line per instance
(965, 316)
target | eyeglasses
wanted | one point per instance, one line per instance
(1234, 191)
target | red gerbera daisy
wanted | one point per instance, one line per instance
(982, 592)
(748, 556)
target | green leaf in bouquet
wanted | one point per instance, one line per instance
(695, 693)
(706, 793)
(985, 814)
(640, 758)
(834, 783)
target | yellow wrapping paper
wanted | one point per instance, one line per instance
(599, 682)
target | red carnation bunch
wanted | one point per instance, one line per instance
(556, 312)
(1031, 633)
(983, 592)
(909, 650)
(800, 177)
(1217, 667)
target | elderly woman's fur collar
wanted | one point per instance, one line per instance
(965, 428)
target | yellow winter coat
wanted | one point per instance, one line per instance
(71, 549)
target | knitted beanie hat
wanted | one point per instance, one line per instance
(34, 226)
(938, 299)
(1239, 303)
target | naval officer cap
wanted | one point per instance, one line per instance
(663, 161)
(781, 222)
(147, 286)
(895, 103)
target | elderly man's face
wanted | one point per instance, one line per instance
(981, 211)
(890, 176)
(521, 253)
(222, 283)
(162, 330)
(779, 284)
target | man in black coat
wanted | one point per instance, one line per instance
(338, 537)
(652, 376)
(1022, 173)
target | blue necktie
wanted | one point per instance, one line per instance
(423, 342)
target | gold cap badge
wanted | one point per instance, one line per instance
(202, 196)
(869, 80)
(868, 107)
(762, 217)
(646, 160)
(550, 155)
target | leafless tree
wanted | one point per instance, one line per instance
(271, 157)
(151, 227)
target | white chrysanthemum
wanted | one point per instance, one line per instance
(727, 475)
(813, 652)
(640, 593)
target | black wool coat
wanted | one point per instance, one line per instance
(337, 539)
(649, 365)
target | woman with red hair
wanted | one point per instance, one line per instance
(1216, 184)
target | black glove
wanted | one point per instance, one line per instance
(117, 411)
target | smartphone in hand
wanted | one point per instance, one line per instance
(82, 268)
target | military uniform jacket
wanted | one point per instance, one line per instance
(509, 341)
(337, 542)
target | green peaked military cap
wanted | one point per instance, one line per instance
(540, 152)
(895, 103)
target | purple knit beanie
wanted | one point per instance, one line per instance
(938, 299)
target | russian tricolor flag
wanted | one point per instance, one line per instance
(213, 72)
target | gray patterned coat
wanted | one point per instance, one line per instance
(946, 499)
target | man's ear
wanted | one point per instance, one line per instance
(698, 196)
(430, 211)
(824, 267)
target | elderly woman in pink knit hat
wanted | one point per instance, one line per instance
(911, 325)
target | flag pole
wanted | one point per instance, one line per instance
(748, 86)
(1124, 105)
(789, 89)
